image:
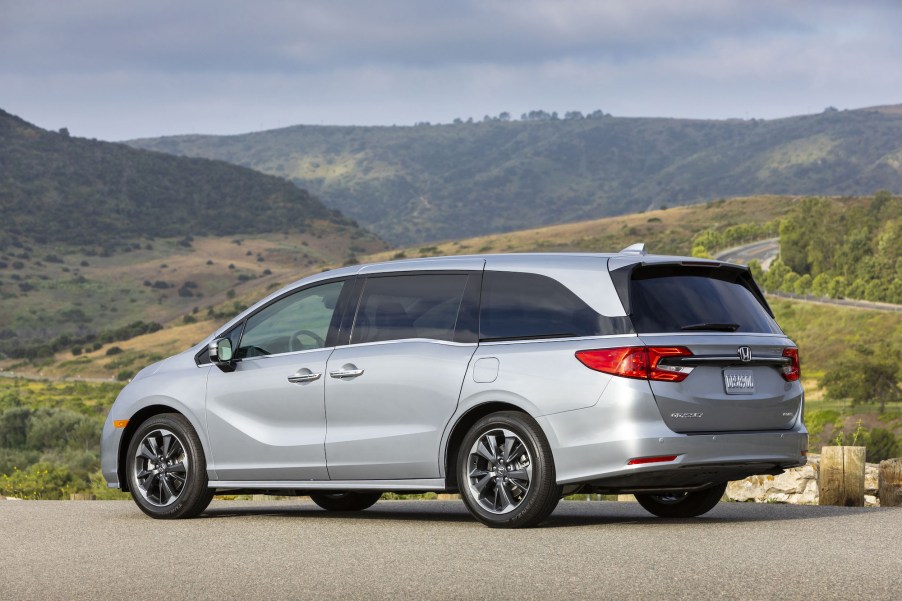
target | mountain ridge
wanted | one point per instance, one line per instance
(62, 189)
(433, 182)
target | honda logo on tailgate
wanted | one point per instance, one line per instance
(745, 354)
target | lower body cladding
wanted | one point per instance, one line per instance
(622, 445)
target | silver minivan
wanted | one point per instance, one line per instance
(512, 379)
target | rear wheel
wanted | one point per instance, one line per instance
(346, 501)
(506, 472)
(166, 468)
(683, 505)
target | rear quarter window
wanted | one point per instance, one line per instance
(679, 299)
(520, 306)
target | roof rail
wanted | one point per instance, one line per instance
(635, 249)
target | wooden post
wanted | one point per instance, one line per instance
(889, 483)
(841, 476)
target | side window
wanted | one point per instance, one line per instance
(298, 322)
(528, 305)
(409, 306)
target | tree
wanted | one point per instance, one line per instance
(864, 378)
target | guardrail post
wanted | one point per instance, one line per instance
(889, 483)
(841, 476)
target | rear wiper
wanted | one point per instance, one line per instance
(716, 327)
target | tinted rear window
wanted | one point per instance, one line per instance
(528, 305)
(675, 299)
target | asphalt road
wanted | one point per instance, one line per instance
(763, 251)
(433, 550)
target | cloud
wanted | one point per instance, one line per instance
(118, 69)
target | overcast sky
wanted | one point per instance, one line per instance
(119, 69)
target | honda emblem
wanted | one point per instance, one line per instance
(745, 354)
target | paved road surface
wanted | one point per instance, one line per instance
(763, 251)
(434, 550)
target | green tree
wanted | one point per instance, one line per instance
(864, 378)
(802, 285)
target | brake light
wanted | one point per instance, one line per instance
(793, 371)
(640, 362)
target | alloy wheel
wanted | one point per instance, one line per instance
(499, 470)
(161, 467)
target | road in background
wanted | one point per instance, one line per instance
(435, 550)
(763, 251)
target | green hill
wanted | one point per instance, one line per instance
(435, 182)
(98, 236)
(64, 190)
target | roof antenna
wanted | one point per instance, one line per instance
(635, 249)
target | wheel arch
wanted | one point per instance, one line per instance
(134, 422)
(460, 429)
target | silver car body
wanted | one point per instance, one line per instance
(394, 427)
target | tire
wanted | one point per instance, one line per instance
(346, 501)
(178, 489)
(516, 488)
(687, 505)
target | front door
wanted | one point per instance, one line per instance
(266, 419)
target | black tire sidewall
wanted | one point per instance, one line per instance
(538, 503)
(196, 495)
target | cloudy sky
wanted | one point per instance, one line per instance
(115, 69)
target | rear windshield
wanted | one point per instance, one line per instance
(696, 299)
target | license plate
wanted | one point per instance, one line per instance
(739, 381)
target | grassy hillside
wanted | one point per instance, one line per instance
(79, 295)
(664, 231)
(96, 236)
(433, 182)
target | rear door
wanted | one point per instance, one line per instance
(742, 375)
(392, 390)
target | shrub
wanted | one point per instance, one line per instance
(40, 481)
(882, 444)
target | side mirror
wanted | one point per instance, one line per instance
(221, 354)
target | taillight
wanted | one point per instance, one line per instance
(641, 362)
(793, 371)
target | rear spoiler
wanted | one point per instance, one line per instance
(621, 277)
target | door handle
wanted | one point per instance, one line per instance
(300, 378)
(346, 373)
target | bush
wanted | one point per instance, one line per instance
(113, 350)
(40, 481)
(882, 444)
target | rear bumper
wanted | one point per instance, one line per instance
(593, 446)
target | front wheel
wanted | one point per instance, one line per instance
(345, 501)
(506, 472)
(683, 505)
(166, 468)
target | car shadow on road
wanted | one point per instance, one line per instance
(567, 515)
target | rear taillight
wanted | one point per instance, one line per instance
(793, 371)
(642, 362)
